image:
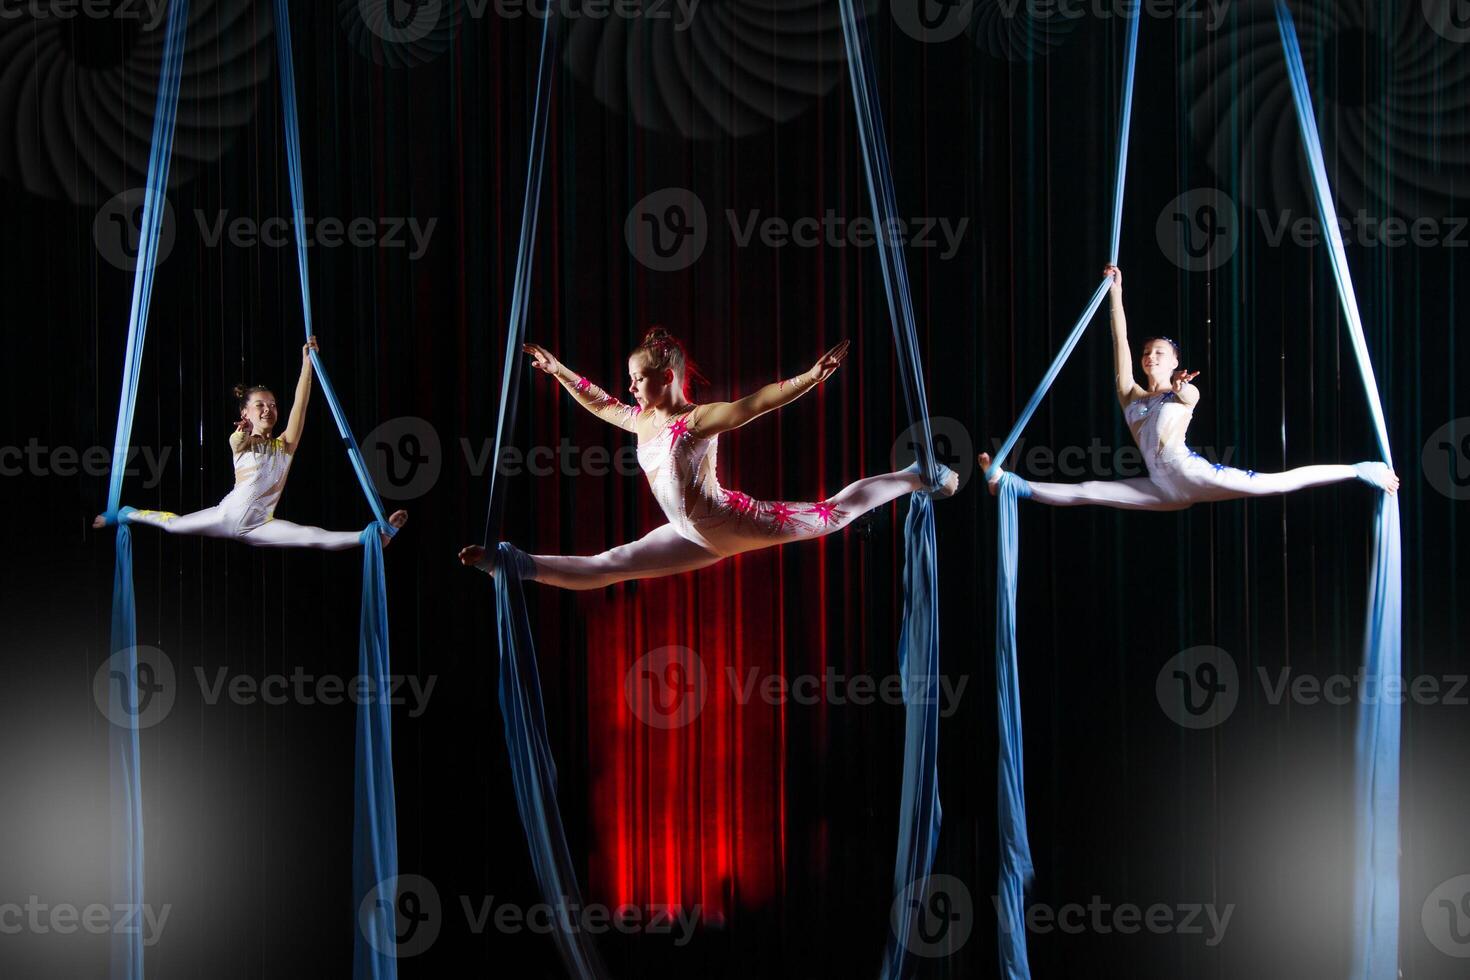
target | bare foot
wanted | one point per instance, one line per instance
(398, 518)
(984, 466)
(473, 556)
(948, 484)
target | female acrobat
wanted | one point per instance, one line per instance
(677, 442)
(262, 460)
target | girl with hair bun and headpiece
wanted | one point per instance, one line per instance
(1158, 417)
(677, 444)
(262, 459)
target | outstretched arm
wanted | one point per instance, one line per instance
(720, 417)
(1127, 388)
(296, 422)
(587, 394)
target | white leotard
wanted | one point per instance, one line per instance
(260, 477)
(1158, 423)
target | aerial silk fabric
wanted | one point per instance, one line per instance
(1016, 869)
(375, 835)
(532, 766)
(124, 751)
(1375, 903)
(1376, 770)
(375, 821)
(918, 647)
(533, 770)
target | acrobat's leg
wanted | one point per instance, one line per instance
(212, 522)
(1138, 493)
(1203, 480)
(769, 523)
(276, 533)
(659, 552)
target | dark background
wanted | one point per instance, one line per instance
(1012, 125)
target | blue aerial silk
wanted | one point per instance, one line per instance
(1015, 848)
(532, 767)
(375, 835)
(1376, 782)
(918, 647)
(533, 770)
(1375, 910)
(124, 752)
(375, 820)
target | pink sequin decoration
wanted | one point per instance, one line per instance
(823, 512)
(739, 502)
(782, 514)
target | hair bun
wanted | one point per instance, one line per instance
(240, 390)
(657, 335)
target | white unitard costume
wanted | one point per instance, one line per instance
(707, 522)
(247, 512)
(1178, 476)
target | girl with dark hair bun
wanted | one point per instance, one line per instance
(262, 459)
(677, 444)
(1158, 417)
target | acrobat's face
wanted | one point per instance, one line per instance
(648, 387)
(260, 411)
(1159, 360)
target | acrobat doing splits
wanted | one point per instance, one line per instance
(1158, 417)
(262, 460)
(677, 443)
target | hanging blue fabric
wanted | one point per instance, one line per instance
(918, 649)
(375, 820)
(1376, 783)
(124, 751)
(533, 769)
(1015, 848)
